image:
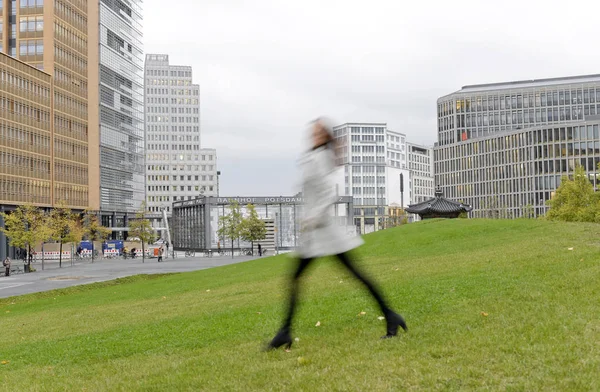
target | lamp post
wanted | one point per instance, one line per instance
(218, 174)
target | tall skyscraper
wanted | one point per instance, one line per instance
(374, 160)
(176, 166)
(49, 115)
(504, 147)
(121, 108)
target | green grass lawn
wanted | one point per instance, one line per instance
(490, 305)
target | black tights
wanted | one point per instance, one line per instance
(347, 262)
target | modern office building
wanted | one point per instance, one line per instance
(374, 164)
(176, 166)
(122, 171)
(504, 147)
(49, 115)
(420, 165)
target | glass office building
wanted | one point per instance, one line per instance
(121, 106)
(503, 148)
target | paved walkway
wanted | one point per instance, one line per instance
(83, 272)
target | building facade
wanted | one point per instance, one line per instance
(49, 122)
(122, 170)
(504, 147)
(420, 165)
(374, 165)
(176, 166)
(195, 222)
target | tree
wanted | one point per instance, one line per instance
(575, 200)
(142, 228)
(93, 230)
(64, 227)
(252, 227)
(25, 227)
(230, 225)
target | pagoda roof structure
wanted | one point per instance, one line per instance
(438, 207)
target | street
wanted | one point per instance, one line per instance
(83, 272)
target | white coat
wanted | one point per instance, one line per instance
(320, 234)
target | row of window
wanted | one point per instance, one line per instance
(71, 38)
(24, 190)
(174, 157)
(32, 47)
(36, 113)
(173, 119)
(24, 84)
(70, 150)
(174, 147)
(397, 139)
(165, 82)
(195, 168)
(173, 74)
(24, 138)
(67, 79)
(72, 195)
(66, 103)
(165, 128)
(174, 101)
(368, 179)
(204, 177)
(70, 15)
(174, 110)
(29, 24)
(180, 188)
(69, 127)
(164, 91)
(367, 159)
(368, 201)
(367, 138)
(29, 4)
(174, 138)
(70, 60)
(368, 149)
(527, 100)
(70, 173)
(17, 163)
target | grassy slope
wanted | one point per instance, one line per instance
(204, 330)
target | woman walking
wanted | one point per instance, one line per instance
(321, 236)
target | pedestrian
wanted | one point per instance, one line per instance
(160, 254)
(320, 235)
(6, 264)
(167, 254)
(259, 249)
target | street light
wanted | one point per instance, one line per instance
(218, 174)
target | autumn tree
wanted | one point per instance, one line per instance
(230, 225)
(141, 228)
(252, 227)
(93, 230)
(25, 227)
(64, 226)
(575, 200)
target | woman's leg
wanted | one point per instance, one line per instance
(347, 261)
(284, 337)
(393, 320)
(302, 265)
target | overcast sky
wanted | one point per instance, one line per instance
(267, 67)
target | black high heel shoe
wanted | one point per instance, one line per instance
(283, 337)
(394, 321)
